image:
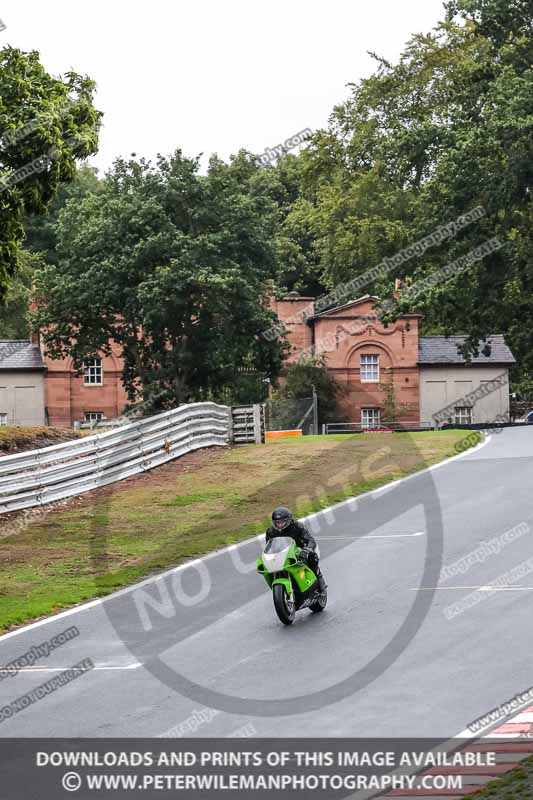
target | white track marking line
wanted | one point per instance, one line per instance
(101, 667)
(505, 588)
(393, 535)
(472, 588)
(162, 576)
(370, 536)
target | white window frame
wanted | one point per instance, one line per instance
(94, 416)
(93, 371)
(366, 414)
(462, 415)
(369, 368)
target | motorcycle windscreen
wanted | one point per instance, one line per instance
(276, 552)
(278, 544)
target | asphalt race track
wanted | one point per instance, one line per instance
(387, 657)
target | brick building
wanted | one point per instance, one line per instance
(390, 371)
(385, 371)
(97, 393)
(37, 390)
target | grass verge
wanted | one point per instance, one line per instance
(516, 785)
(206, 500)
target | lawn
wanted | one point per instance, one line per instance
(112, 537)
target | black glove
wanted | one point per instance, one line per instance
(312, 561)
(304, 554)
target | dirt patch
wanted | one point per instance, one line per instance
(20, 439)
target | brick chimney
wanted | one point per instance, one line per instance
(398, 286)
(35, 334)
(293, 310)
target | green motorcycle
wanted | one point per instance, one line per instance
(294, 585)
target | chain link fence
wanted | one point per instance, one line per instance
(282, 415)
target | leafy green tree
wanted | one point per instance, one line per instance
(41, 230)
(14, 311)
(445, 129)
(174, 267)
(46, 125)
(40, 247)
(298, 382)
(299, 259)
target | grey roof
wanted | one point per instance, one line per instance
(20, 354)
(443, 350)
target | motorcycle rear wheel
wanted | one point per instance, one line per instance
(283, 604)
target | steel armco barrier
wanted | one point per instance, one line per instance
(54, 473)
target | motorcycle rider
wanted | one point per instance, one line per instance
(283, 524)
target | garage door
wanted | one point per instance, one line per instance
(27, 405)
(5, 416)
(433, 399)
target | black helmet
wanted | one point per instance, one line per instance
(281, 518)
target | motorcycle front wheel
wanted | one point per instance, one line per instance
(283, 604)
(320, 603)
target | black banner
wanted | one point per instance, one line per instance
(53, 769)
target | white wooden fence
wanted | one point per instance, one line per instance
(248, 424)
(54, 473)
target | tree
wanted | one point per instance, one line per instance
(420, 142)
(14, 311)
(174, 267)
(41, 230)
(46, 125)
(299, 257)
(299, 379)
(40, 247)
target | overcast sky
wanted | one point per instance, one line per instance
(213, 75)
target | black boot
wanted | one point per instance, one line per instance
(321, 582)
